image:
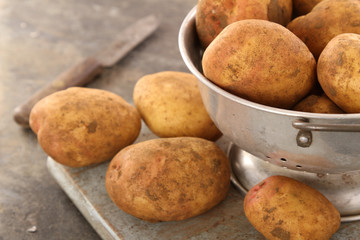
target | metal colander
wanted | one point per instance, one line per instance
(302, 145)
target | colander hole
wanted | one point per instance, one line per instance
(283, 159)
(298, 166)
(267, 156)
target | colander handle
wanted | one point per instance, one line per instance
(305, 125)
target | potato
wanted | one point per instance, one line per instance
(283, 208)
(317, 104)
(261, 61)
(339, 71)
(302, 7)
(212, 16)
(327, 19)
(168, 179)
(81, 126)
(171, 105)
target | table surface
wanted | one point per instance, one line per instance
(39, 39)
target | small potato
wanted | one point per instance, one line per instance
(212, 16)
(78, 127)
(168, 179)
(261, 61)
(317, 104)
(338, 71)
(280, 207)
(171, 105)
(326, 20)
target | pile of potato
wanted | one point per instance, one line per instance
(302, 55)
(270, 58)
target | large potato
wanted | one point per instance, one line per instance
(317, 104)
(260, 61)
(168, 179)
(339, 71)
(283, 208)
(82, 126)
(326, 20)
(212, 16)
(171, 105)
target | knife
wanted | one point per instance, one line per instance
(85, 71)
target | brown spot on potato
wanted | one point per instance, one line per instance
(340, 61)
(355, 23)
(266, 217)
(119, 173)
(151, 195)
(92, 127)
(332, 91)
(270, 210)
(280, 233)
(216, 163)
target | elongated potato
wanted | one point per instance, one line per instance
(280, 207)
(168, 179)
(338, 71)
(81, 126)
(171, 105)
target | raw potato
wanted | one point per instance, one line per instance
(171, 105)
(261, 61)
(302, 7)
(168, 179)
(212, 16)
(81, 126)
(283, 208)
(317, 104)
(328, 19)
(339, 71)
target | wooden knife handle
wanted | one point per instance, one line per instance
(78, 75)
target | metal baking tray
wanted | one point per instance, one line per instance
(86, 188)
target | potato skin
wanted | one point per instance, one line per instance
(302, 7)
(171, 105)
(280, 207)
(78, 126)
(168, 179)
(212, 16)
(339, 71)
(326, 20)
(260, 61)
(317, 104)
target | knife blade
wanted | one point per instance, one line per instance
(86, 70)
